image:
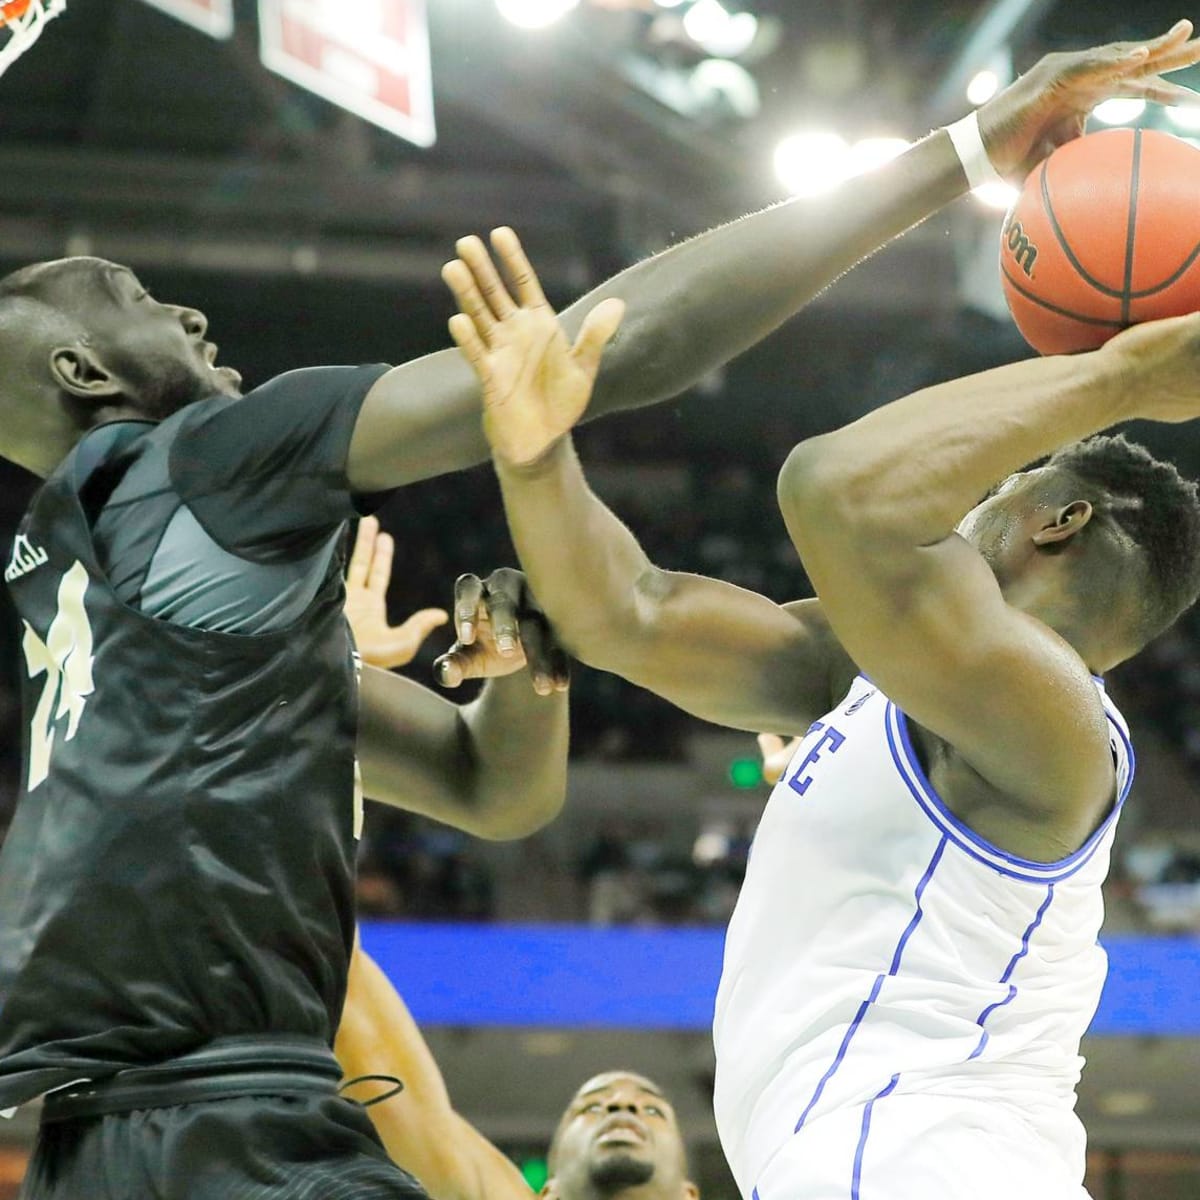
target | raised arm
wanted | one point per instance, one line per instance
(701, 303)
(419, 1127)
(495, 768)
(993, 665)
(718, 651)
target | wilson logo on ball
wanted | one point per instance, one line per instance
(1019, 245)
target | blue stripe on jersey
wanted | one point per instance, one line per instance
(1007, 976)
(892, 970)
(966, 839)
(856, 1179)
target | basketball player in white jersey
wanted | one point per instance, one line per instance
(913, 959)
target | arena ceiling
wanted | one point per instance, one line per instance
(130, 134)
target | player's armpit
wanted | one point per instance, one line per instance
(723, 653)
(931, 628)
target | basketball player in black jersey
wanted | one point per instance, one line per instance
(175, 906)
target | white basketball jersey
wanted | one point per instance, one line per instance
(881, 948)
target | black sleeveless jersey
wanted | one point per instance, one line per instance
(180, 864)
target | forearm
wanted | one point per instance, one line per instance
(708, 299)
(689, 310)
(582, 563)
(495, 768)
(519, 744)
(912, 469)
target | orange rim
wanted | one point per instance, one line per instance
(12, 10)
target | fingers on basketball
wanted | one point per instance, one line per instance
(1103, 236)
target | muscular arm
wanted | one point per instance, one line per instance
(702, 302)
(690, 309)
(873, 509)
(418, 1127)
(718, 651)
(495, 768)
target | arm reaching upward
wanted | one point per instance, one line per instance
(418, 1127)
(718, 651)
(701, 303)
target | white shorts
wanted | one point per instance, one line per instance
(914, 1147)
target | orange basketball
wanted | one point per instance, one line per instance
(1106, 233)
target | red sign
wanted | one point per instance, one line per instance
(214, 17)
(371, 57)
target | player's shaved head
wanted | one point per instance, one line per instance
(31, 328)
(82, 342)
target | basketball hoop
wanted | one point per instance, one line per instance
(21, 24)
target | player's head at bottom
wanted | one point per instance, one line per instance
(619, 1136)
(1101, 542)
(82, 341)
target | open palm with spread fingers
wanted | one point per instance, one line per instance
(536, 385)
(380, 643)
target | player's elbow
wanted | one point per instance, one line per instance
(826, 493)
(512, 813)
(811, 486)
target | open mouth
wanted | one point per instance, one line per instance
(622, 1133)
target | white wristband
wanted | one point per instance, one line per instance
(968, 145)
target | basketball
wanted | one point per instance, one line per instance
(1105, 234)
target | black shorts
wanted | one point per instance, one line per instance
(310, 1147)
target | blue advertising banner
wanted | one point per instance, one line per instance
(564, 976)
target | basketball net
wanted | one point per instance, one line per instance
(21, 24)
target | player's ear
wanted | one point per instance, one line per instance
(690, 1190)
(78, 371)
(1066, 523)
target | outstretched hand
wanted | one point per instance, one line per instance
(1048, 106)
(499, 629)
(367, 579)
(536, 385)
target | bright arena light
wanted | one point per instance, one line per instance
(718, 77)
(811, 163)
(718, 31)
(1185, 117)
(873, 152)
(983, 87)
(997, 195)
(1119, 111)
(535, 14)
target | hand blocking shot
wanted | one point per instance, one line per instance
(913, 959)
